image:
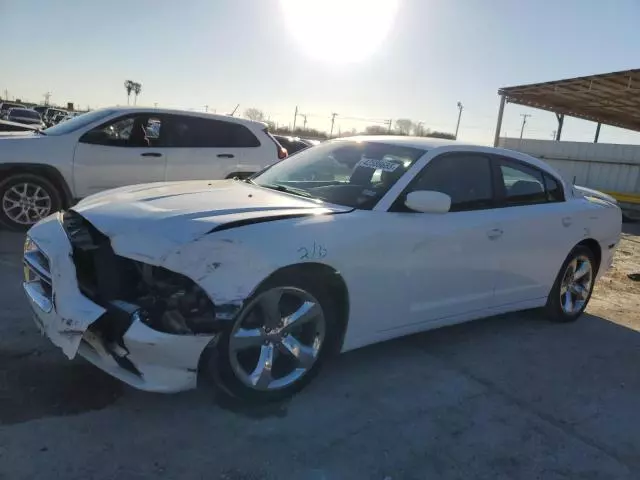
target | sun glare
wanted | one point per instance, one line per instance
(339, 31)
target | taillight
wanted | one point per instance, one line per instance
(282, 152)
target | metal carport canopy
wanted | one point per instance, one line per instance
(609, 98)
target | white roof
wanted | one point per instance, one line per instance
(226, 118)
(428, 143)
(425, 143)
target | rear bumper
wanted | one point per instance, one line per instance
(143, 357)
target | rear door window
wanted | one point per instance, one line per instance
(195, 132)
(526, 185)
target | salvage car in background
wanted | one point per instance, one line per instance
(26, 116)
(6, 106)
(113, 147)
(292, 144)
(10, 128)
(256, 283)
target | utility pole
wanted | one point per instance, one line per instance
(419, 128)
(460, 108)
(6, 94)
(155, 104)
(524, 122)
(389, 123)
(304, 125)
(206, 108)
(47, 96)
(295, 117)
(553, 134)
(333, 119)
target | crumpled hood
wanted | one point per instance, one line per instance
(183, 211)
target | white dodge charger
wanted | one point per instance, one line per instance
(254, 284)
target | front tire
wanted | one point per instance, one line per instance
(25, 199)
(573, 286)
(278, 342)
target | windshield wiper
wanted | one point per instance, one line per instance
(282, 188)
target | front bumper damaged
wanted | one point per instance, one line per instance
(114, 336)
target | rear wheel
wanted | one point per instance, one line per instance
(26, 199)
(573, 286)
(277, 343)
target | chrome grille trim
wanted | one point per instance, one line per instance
(36, 293)
(38, 264)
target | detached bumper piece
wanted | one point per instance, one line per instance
(142, 324)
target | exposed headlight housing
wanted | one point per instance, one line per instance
(29, 245)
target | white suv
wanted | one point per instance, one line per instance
(44, 171)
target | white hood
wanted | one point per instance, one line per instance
(183, 211)
(590, 192)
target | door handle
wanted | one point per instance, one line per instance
(225, 155)
(567, 221)
(494, 233)
(151, 154)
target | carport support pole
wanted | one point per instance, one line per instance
(595, 139)
(560, 118)
(496, 139)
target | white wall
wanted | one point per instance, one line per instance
(603, 166)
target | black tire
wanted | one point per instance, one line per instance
(553, 309)
(217, 369)
(32, 179)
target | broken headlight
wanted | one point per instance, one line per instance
(173, 303)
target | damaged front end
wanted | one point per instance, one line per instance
(152, 324)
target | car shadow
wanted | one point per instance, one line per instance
(580, 377)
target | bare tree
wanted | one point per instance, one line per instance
(375, 130)
(404, 126)
(137, 88)
(128, 86)
(254, 114)
(418, 129)
(436, 134)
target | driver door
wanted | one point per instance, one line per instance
(125, 151)
(447, 263)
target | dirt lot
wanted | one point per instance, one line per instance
(617, 295)
(509, 397)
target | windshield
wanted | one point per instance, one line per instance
(350, 173)
(22, 113)
(78, 122)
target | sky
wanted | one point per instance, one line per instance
(415, 61)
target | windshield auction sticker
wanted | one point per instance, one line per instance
(384, 165)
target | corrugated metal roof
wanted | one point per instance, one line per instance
(610, 98)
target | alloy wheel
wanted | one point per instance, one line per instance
(26, 203)
(576, 285)
(277, 338)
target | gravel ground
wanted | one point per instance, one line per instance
(507, 397)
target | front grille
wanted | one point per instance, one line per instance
(38, 271)
(85, 240)
(102, 275)
(37, 277)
